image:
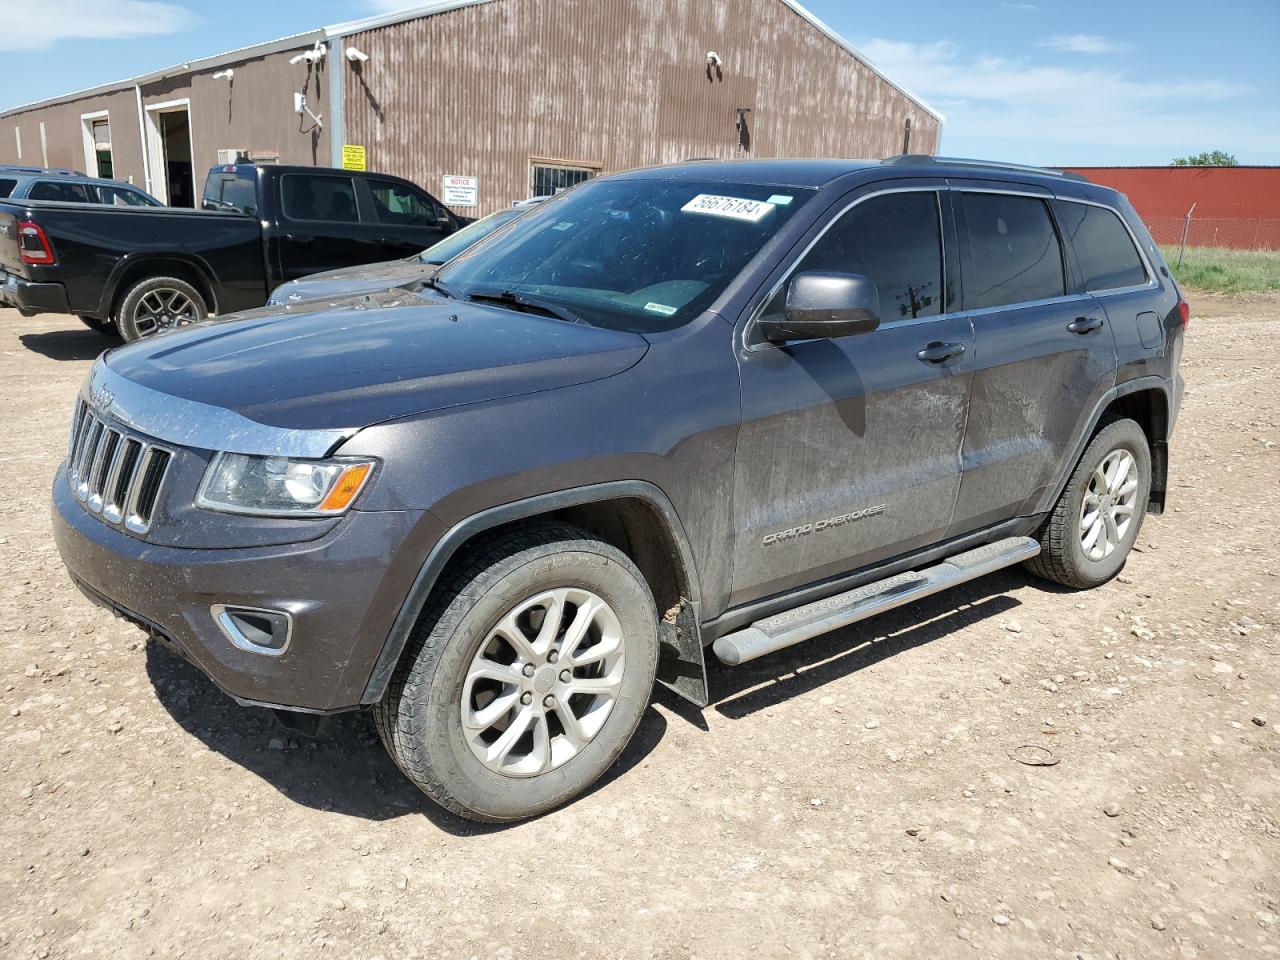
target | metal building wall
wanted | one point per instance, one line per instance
(253, 111)
(481, 90)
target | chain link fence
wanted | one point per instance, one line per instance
(1233, 233)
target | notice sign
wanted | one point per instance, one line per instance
(460, 191)
(353, 157)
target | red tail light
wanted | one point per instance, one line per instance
(1184, 311)
(34, 246)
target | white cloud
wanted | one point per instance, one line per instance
(36, 26)
(1051, 113)
(1083, 43)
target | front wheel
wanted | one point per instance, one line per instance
(157, 304)
(527, 675)
(1095, 523)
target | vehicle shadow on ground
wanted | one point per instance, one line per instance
(344, 767)
(69, 344)
(738, 692)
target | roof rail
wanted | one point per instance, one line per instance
(924, 158)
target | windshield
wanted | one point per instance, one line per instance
(637, 255)
(468, 236)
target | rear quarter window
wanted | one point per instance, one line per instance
(1104, 248)
(6, 187)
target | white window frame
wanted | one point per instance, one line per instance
(90, 145)
(154, 149)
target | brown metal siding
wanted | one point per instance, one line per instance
(615, 83)
(254, 111)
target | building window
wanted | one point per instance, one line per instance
(547, 178)
(102, 148)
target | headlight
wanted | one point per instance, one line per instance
(279, 486)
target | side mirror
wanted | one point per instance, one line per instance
(823, 305)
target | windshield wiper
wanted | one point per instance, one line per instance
(521, 301)
(430, 281)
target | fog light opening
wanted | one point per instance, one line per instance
(254, 629)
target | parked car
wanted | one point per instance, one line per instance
(352, 281)
(140, 270)
(725, 405)
(67, 186)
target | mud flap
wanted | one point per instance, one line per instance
(681, 666)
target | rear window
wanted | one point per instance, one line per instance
(311, 197)
(1013, 252)
(1104, 247)
(57, 190)
(231, 192)
(6, 187)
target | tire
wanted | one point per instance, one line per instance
(420, 720)
(156, 304)
(105, 327)
(1065, 555)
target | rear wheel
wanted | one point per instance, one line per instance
(1095, 523)
(527, 676)
(157, 304)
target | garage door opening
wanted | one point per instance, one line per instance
(170, 153)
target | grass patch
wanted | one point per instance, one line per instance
(1226, 271)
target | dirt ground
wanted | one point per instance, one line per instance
(853, 797)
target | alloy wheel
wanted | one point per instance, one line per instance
(163, 309)
(544, 681)
(1108, 507)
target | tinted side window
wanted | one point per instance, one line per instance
(122, 197)
(66, 192)
(1108, 258)
(893, 239)
(397, 203)
(1013, 251)
(309, 197)
(6, 187)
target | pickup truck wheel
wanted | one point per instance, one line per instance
(527, 675)
(104, 327)
(1087, 538)
(157, 304)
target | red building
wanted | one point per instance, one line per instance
(1233, 206)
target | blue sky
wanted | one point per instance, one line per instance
(1073, 82)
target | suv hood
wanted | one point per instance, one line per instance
(371, 359)
(350, 281)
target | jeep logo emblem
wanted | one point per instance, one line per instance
(101, 399)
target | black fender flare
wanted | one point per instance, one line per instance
(688, 639)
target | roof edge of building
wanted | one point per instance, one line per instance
(849, 48)
(340, 30)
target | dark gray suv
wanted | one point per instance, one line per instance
(715, 405)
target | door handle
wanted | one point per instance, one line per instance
(1084, 325)
(302, 241)
(937, 352)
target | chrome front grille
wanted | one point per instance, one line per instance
(114, 473)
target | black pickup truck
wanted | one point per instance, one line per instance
(141, 270)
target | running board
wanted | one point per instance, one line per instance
(814, 619)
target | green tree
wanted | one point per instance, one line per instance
(1215, 158)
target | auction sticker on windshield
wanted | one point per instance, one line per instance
(735, 208)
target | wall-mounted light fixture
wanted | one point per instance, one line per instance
(224, 75)
(357, 56)
(314, 55)
(300, 107)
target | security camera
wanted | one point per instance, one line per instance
(357, 56)
(713, 58)
(224, 75)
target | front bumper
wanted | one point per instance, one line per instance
(343, 591)
(30, 298)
